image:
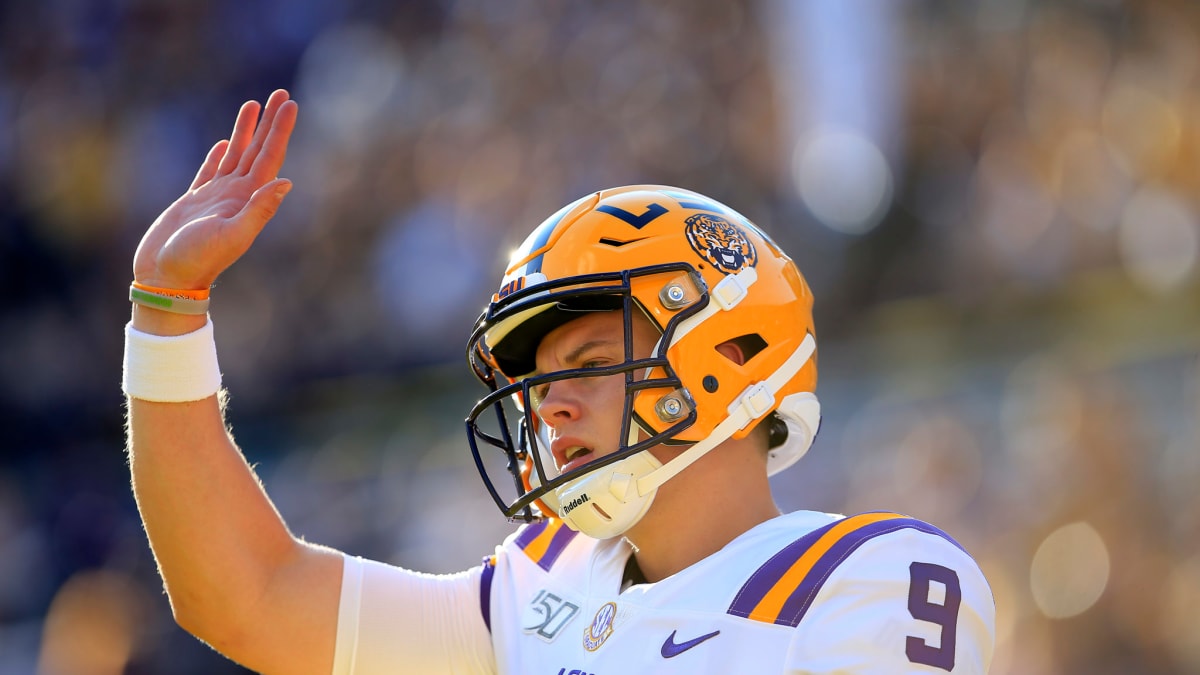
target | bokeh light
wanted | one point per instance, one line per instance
(844, 180)
(1069, 571)
(1159, 240)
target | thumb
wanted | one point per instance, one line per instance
(265, 202)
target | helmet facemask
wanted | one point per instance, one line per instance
(521, 437)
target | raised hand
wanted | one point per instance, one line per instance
(234, 195)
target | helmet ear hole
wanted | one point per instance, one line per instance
(747, 347)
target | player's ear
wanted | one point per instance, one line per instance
(732, 351)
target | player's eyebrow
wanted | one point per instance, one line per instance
(577, 353)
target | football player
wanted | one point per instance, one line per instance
(651, 361)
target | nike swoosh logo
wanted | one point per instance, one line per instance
(671, 649)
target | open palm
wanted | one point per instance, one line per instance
(234, 195)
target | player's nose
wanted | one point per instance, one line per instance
(559, 403)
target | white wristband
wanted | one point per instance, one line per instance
(171, 369)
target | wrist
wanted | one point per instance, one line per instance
(159, 322)
(174, 368)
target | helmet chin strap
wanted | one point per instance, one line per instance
(756, 401)
(607, 502)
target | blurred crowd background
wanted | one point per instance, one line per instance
(997, 203)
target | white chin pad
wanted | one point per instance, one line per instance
(605, 503)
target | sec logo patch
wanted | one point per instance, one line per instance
(601, 628)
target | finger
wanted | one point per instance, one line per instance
(277, 98)
(209, 168)
(274, 150)
(243, 130)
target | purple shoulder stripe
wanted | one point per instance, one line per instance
(545, 541)
(485, 590)
(767, 577)
(802, 598)
(530, 532)
(558, 544)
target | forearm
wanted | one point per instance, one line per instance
(213, 530)
(218, 540)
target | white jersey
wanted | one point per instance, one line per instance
(802, 593)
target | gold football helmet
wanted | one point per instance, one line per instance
(704, 275)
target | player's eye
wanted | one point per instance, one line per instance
(537, 394)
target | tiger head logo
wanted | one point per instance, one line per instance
(720, 242)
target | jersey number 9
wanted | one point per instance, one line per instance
(943, 613)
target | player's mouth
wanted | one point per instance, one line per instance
(570, 453)
(574, 457)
